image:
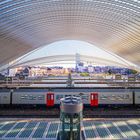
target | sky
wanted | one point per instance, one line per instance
(67, 47)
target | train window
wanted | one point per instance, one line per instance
(112, 97)
(30, 97)
(22, 97)
(41, 97)
(120, 99)
(103, 97)
(51, 97)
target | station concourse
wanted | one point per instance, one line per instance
(100, 102)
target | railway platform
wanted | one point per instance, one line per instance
(48, 129)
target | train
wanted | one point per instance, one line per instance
(90, 97)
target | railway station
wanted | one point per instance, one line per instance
(69, 69)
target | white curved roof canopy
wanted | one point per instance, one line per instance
(113, 25)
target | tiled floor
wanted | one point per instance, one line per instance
(29, 130)
(126, 129)
(48, 130)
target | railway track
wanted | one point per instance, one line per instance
(55, 112)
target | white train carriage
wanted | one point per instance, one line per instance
(4, 98)
(97, 98)
(89, 98)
